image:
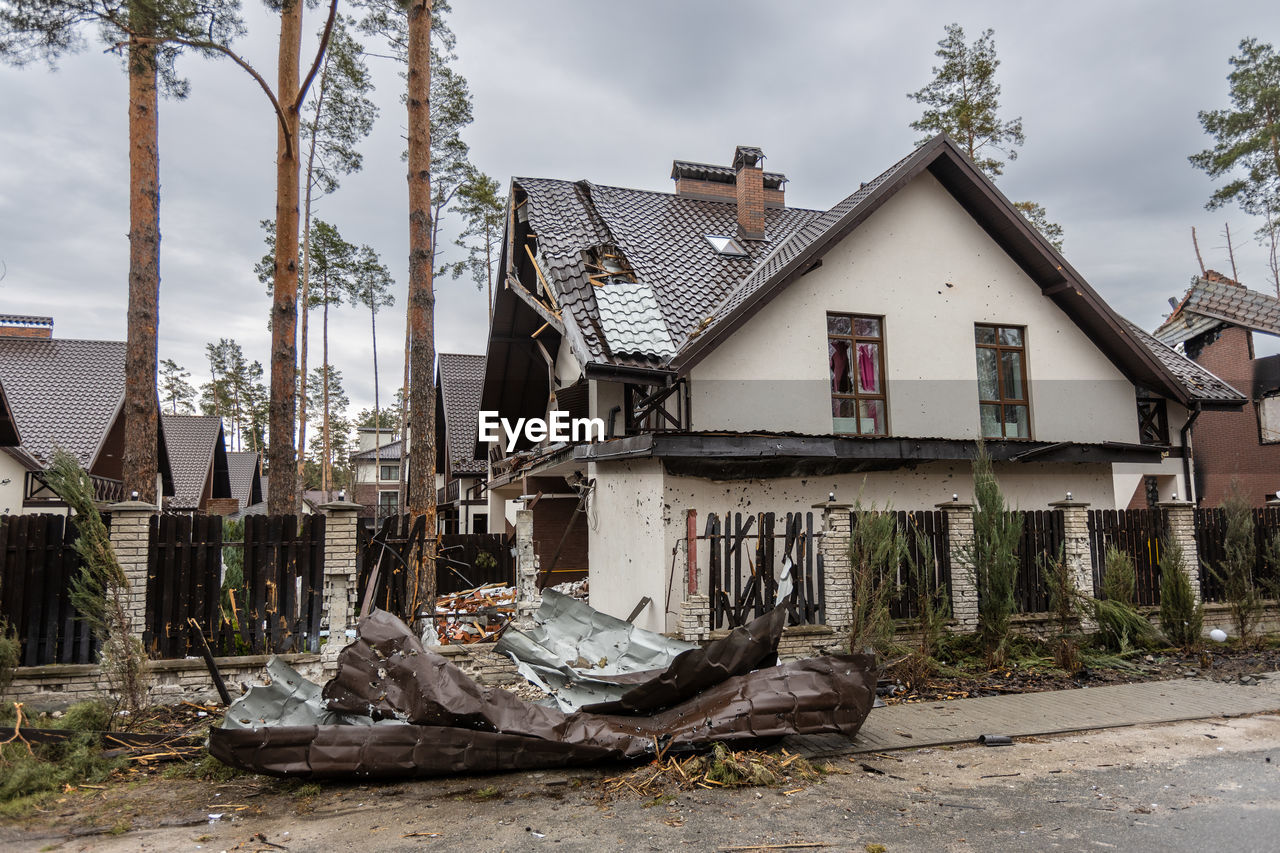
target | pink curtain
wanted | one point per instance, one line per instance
(867, 368)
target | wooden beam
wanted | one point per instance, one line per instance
(533, 302)
(545, 284)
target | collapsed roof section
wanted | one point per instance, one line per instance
(1214, 300)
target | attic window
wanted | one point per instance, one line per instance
(727, 246)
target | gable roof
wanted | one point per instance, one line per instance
(63, 393)
(1214, 300)
(389, 452)
(1207, 386)
(244, 469)
(197, 452)
(9, 436)
(459, 382)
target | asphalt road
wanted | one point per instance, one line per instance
(1209, 786)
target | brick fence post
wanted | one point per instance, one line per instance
(341, 562)
(964, 584)
(131, 541)
(837, 578)
(1076, 552)
(528, 599)
(1180, 526)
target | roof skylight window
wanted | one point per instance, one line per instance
(727, 246)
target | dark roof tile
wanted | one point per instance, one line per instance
(191, 441)
(461, 381)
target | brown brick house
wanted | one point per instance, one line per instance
(1214, 326)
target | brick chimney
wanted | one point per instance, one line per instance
(748, 169)
(23, 326)
(719, 183)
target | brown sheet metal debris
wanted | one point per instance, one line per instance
(406, 711)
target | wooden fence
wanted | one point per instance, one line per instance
(184, 580)
(744, 580)
(1136, 532)
(1043, 535)
(277, 606)
(391, 549)
(927, 546)
(37, 564)
(1211, 535)
(460, 566)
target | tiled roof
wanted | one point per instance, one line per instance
(389, 452)
(1200, 383)
(787, 250)
(191, 440)
(1215, 299)
(8, 427)
(663, 238)
(63, 393)
(461, 381)
(243, 468)
(632, 321)
(720, 174)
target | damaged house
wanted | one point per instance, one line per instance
(751, 357)
(1214, 325)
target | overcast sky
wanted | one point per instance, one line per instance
(612, 92)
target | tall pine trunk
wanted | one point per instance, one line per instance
(377, 412)
(421, 308)
(283, 480)
(305, 300)
(141, 404)
(325, 467)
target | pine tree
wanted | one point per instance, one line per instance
(963, 101)
(1246, 146)
(371, 288)
(176, 393)
(148, 34)
(484, 210)
(993, 558)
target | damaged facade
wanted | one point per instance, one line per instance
(1214, 325)
(751, 357)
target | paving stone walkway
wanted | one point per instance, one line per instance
(1053, 712)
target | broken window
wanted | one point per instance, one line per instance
(855, 357)
(1003, 405)
(1269, 419)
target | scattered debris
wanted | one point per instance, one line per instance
(995, 740)
(720, 768)
(475, 615)
(579, 589)
(398, 710)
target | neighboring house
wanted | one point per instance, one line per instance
(198, 457)
(1214, 325)
(751, 357)
(375, 473)
(66, 394)
(460, 475)
(312, 499)
(244, 468)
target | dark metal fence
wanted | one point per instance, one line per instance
(392, 549)
(1211, 536)
(1043, 535)
(744, 579)
(1136, 532)
(37, 564)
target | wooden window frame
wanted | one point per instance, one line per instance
(1025, 400)
(1157, 419)
(392, 479)
(859, 397)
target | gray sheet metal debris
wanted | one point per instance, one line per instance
(573, 650)
(432, 719)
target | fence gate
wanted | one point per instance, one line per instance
(747, 560)
(37, 564)
(391, 549)
(184, 581)
(1136, 532)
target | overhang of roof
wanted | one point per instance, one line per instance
(750, 455)
(8, 427)
(1010, 230)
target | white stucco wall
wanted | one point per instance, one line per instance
(923, 264)
(628, 553)
(11, 491)
(1170, 471)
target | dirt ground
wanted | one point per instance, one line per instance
(953, 799)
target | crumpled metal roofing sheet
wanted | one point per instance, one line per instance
(435, 720)
(632, 321)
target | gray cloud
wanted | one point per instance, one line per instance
(613, 92)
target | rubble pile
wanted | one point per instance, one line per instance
(474, 615)
(574, 589)
(720, 768)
